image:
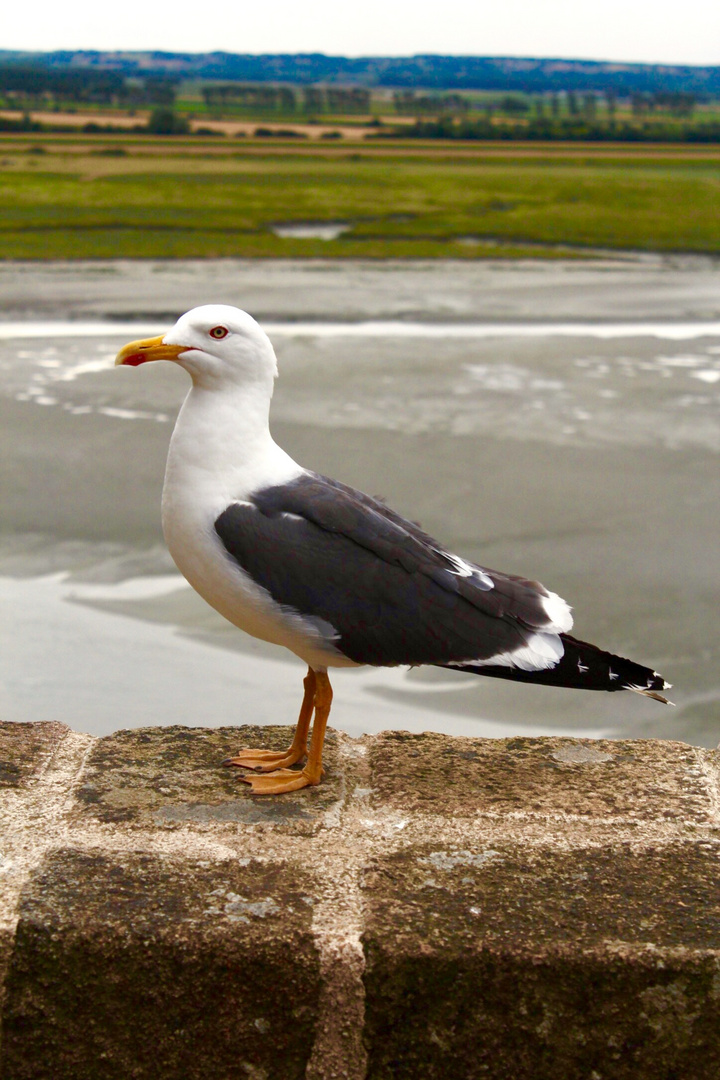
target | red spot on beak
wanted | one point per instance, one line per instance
(139, 352)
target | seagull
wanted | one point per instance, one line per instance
(340, 579)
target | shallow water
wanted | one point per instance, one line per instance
(581, 453)
(643, 383)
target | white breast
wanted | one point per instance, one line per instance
(211, 465)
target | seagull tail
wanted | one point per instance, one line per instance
(586, 667)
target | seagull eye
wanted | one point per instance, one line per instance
(218, 332)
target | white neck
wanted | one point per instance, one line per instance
(221, 450)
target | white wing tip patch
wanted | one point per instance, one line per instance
(558, 612)
(540, 652)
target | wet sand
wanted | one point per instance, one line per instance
(634, 288)
(590, 463)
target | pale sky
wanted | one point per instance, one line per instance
(654, 31)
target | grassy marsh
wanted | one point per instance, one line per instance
(161, 198)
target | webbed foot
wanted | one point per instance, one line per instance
(280, 781)
(265, 760)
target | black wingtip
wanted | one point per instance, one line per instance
(586, 667)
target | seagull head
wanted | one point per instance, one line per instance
(218, 346)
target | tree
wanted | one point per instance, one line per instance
(641, 104)
(348, 99)
(165, 121)
(286, 99)
(676, 102)
(513, 106)
(314, 99)
(159, 90)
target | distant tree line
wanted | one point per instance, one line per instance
(549, 129)
(676, 103)
(409, 103)
(31, 84)
(431, 72)
(253, 97)
(72, 84)
(353, 99)
(151, 90)
(586, 106)
(261, 97)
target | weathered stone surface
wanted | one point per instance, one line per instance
(523, 909)
(172, 776)
(640, 780)
(534, 964)
(135, 966)
(25, 750)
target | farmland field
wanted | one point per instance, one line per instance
(66, 197)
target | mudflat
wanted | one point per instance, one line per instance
(556, 420)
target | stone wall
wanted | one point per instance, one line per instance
(521, 909)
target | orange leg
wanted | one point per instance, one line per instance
(270, 760)
(288, 779)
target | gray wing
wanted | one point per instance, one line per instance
(391, 592)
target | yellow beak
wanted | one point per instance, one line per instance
(139, 352)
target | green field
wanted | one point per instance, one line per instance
(165, 199)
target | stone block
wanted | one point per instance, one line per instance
(527, 909)
(140, 966)
(640, 780)
(531, 963)
(172, 776)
